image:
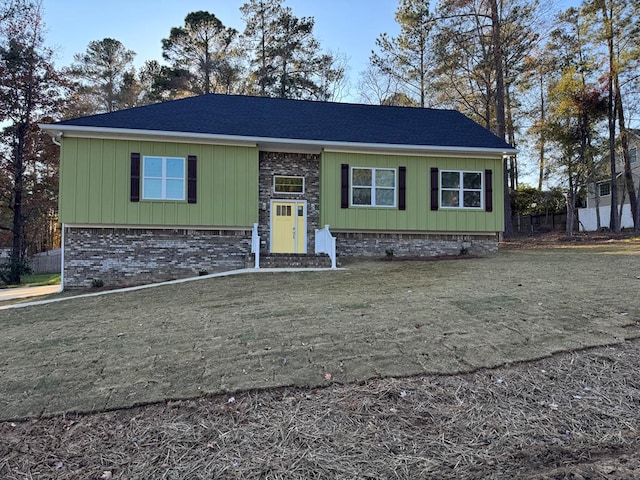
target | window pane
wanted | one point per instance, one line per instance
(385, 196)
(633, 155)
(472, 180)
(152, 167)
(450, 179)
(361, 177)
(175, 189)
(152, 189)
(175, 168)
(361, 196)
(289, 185)
(385, 178)
(472, 199)
(450, 198)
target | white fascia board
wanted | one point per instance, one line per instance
(421, 150)
(149, 135)
(270, 144)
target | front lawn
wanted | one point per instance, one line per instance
(36, 280)
(337, 337)
(373, 319)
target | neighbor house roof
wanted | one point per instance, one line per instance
(283, 123)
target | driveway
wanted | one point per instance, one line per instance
(25, 292)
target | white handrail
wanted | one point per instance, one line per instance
(255, 245)
(326, 243)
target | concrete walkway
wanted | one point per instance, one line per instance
(26, 292)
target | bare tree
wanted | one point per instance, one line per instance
(29, 89)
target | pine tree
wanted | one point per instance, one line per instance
(287, 60)
(203, 54)
(407, 58)
(105, 75)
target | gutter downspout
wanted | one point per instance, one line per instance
(55, 138)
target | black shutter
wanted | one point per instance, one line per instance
(488, 191)
(402, 188)
(344, 190)
(192, 174)
(434, 188)
(135, 177)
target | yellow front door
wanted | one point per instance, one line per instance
(288, 227)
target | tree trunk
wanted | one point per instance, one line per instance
(511, 138)
(597, 199)
(541, 150)
(500, 110)
(263, 47)
(614, 224)
(628, 174)
(17, 250)
(571, 208)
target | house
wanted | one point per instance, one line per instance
(599, 193)
(175, 189)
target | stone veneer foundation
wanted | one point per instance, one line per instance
(371, 244)
(134, 256)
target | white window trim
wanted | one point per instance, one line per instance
(634, 158)
(373, 187)
(461, 190)
(164, 178)
(288, 193)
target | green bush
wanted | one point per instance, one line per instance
(13, 269)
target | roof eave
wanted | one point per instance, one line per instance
(266, 143)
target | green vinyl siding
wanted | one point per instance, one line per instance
(95, 183)
(418, 216)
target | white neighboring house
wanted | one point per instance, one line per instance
(587, 216)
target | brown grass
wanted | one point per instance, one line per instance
(573, 413)
(569, 415)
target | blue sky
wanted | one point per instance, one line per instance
(348, 26)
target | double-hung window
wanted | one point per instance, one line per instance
(460, 189)
(373, 187)
(163, 178)
(604, 189)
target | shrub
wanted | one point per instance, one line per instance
(13, 269)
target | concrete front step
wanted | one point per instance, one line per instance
(287, 260)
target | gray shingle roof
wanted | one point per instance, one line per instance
(273, 118)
